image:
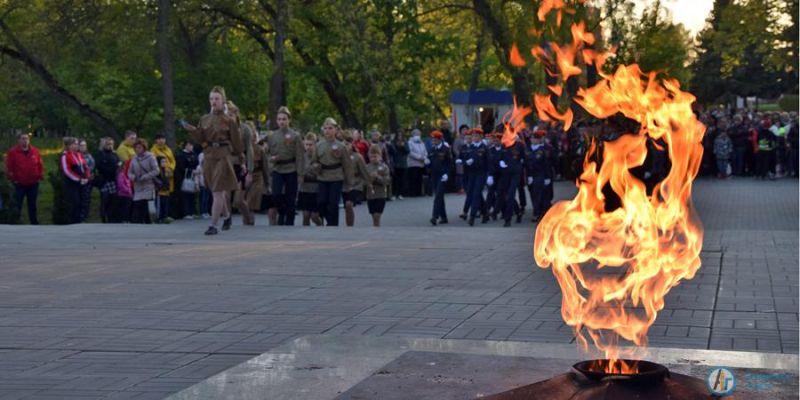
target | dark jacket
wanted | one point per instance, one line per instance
(441, 160)
(107, 164)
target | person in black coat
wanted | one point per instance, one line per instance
(540, 175)
(441, 161)
(107, 165)
(185, 165)
(509, 168)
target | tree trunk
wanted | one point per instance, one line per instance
(165, 62)
(277, 85)
(394, 124)
(475, 77)
(502, 42)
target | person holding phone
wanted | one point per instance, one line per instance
(220, 135)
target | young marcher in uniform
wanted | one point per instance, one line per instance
(307, 197)
(287, 156)
(333, 166)
(353, 193)
(495, 150)
(256, 178)
(377, 185)
(221, 136)
(462, 151)
(476, 169)
(540, 175)
(511, 164)
(441, 161)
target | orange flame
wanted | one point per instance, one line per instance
(514, 122)
(515, 58)
(615, 267)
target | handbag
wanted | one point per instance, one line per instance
(188, 185)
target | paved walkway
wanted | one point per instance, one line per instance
(138, 312)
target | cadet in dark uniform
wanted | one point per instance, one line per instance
(495, 150)
(510, 165)
(441, 160)
(540, 175)
(462, 154)
(333, 166)
(288, 161)
(476, 170)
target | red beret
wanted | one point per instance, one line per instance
(476, 131)
(436, 135)
(539, 133)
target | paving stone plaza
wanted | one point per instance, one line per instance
(141, 312)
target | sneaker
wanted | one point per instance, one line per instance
(211, 231)
(226, 225)
(463, 216)
(167, 220)
(189, 217)
(206, 216)
(433, 221)
(399, 197)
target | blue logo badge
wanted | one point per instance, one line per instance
(720, 381)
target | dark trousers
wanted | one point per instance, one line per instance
(284, 193)
(328, 197)
(466, 180)
(140, 213)
(108, 204)
(205, 201)
(475, 192)
(163, 207)
(438, 187)
(738, 160)
(506, 191)
(31, 192)
(763, 163)
(86, 201)
(72, 201)
(491, 199)
(399, 182)
(415, 181)
(123, 212)
(188, 200)
(540, 201)
(521, 192)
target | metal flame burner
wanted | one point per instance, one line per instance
(652, 381)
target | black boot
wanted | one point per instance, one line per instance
(433, 221)
(485, 218)
(471, 221)
(508, 223)
(463, 216)
(226, 225)
(211, 231)
(519, 218)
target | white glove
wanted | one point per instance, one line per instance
(444, 178)
(490, 181)
(470, 161)
(546, 182)
(530, 180)
(459, 161)
(503, 164)
(427, 161)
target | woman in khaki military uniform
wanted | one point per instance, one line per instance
(256, 178)
(220, 136)
(353, 193)
(307, 197)
(378, 184)
(334, 169)
(288, 161)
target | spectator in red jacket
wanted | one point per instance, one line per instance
(76, 177)
(25, 170)
(359, 144)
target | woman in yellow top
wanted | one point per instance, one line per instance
(220, 136)
(162, 152)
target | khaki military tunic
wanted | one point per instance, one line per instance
(220, 136)
(286, 146)
(333, 163)
(261, 178)
(359, 176)
(380, 182)
(310, 178)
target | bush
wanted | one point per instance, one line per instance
(789, 102)
(9, 214)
